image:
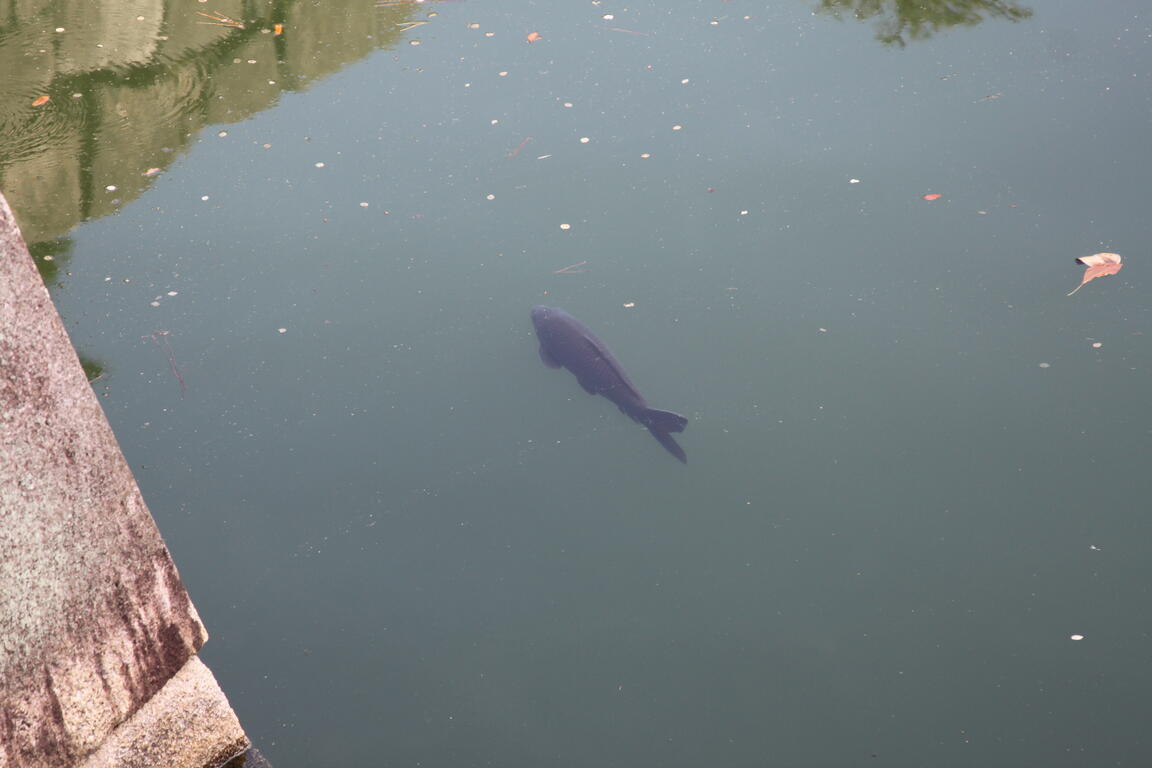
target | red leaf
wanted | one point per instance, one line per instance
(1099, 264)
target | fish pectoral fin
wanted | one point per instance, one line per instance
(588, 386)
(547, 359)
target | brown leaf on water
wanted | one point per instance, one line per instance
(1099, 264)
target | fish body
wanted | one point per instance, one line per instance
(565, 342)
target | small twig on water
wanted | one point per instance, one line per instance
(219, 20)
(571, 269)
(621, 29)
(519, 147)
(161, 339)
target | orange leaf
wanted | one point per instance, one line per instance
(41, 101)
(933, 196)
(533, 36)
(1099, 264)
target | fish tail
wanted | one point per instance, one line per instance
(661, 424)
(665, 421)
(669, 443)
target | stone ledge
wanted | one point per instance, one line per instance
(96, 627)
(188, 724)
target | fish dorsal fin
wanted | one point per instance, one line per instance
(603, 354)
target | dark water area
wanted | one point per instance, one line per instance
(914, 527)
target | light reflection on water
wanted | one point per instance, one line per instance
(97, 98)
(96, 94)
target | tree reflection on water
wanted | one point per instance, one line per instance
(902, 20)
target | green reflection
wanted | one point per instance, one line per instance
(899, 21)
(93, 369)
(48, 255)
(98, 99)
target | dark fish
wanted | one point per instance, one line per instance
(565, 342)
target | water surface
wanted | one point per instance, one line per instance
(917, 468)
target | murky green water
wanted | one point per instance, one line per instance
(301, 265)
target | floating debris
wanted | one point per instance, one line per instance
(161, 339)
(516, 150)
(219, 20)
(1099, 265)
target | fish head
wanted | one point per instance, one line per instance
(541, 315)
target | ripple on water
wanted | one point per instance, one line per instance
(31, 125)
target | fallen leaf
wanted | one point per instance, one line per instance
(41, 101)
(533, 36)
(933, 196)
(1099, 264)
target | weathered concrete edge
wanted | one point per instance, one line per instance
(187, 724)
(94, 621)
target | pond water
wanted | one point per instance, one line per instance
(298, 259)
